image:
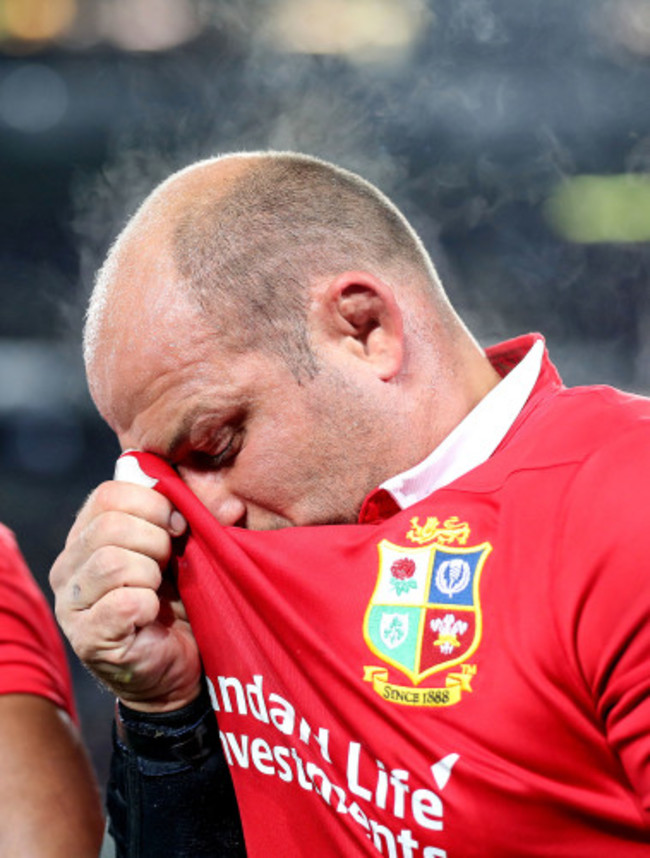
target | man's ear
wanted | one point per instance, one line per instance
(359, 313)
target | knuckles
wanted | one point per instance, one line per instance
(110, 495)
(111, 564)
(105, 632)
(113, 528)
(113, 568)
(125, 609)
(128, 497)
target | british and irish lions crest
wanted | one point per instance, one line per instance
(424, 617)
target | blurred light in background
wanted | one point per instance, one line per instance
(591, 209)
(37, 20)
(132, 25)
(362, 30)
(148, 25)
(33, 98)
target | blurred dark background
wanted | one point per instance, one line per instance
(515, 134)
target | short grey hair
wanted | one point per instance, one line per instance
(288, 218)
(247, 248)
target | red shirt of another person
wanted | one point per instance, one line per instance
(32, 657)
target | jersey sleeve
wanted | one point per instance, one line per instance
(32, 656)
(602, 593)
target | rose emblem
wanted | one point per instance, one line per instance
(402, 572)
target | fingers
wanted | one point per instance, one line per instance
(139, 501)
(118, 616)
(147, 654)
(117, 521)
(109, 568)
(115, 549)
(110, 601)
(121, 538)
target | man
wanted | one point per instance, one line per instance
(49, 798)
(454, 661)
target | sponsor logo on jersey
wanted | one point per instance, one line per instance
(424, 617)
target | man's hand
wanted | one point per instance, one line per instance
(122, 619)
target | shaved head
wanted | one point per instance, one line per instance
(272, 325)
(244, 236)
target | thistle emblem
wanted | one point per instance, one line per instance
(453, 576)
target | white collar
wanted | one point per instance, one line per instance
(475, 438)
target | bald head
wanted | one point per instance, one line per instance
(246, 235)
(278, 266)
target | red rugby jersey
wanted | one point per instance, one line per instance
(466, 677)
(32, 658)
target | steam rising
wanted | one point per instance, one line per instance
(470, 128)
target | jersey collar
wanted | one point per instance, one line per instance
(473, 441)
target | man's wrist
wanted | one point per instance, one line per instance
(188, 735)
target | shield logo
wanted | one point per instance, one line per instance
(424, 615)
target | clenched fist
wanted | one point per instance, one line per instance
(122, 618)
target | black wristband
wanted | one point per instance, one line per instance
(188, 735)
(169, 790)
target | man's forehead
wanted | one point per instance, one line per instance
(166, 377)
(152, 334)
(139, 350)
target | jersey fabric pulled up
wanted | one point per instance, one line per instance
(32, 657)
(466, 677)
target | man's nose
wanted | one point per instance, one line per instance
(211, 488)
